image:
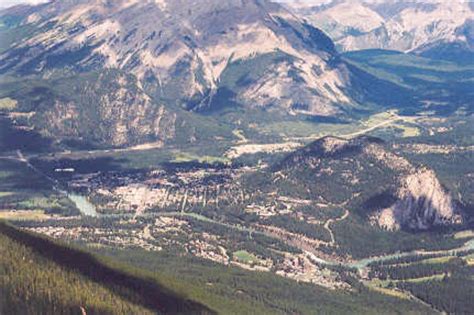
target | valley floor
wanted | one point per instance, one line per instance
(202, 210)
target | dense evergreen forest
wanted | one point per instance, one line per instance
(230, 290)
(445, 282)
(39, 276)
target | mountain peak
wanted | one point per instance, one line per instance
(187, 53)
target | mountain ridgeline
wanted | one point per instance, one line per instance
(146, 70)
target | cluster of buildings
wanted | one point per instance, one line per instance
(304, 268)
(152, 210)
(183, 190)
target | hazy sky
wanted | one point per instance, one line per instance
(9, 3)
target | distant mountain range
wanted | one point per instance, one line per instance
(441, 29)
(164, 59)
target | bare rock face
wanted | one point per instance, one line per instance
(181, 49)
(422, 204)
(180, 57)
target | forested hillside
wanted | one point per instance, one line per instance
(42, 277)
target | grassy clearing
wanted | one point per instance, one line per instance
(299, 128)
(383, 120)
(39, 203)
(23, 215)
(8, 104)
(378, 287)
(437, 260)
(382, 286)
(307, 131)
(424, 279)
(407, 124)
(385, 283)
(464, 234)
(183, 157)
(244, 257)
(380, 117)
(408, 130)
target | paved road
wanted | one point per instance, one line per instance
(369, 129)
(328, 223)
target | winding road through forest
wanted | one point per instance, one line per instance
(328, 223)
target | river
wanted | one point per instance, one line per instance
(469, 245)
(88, 209)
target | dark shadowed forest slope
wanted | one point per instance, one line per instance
(42, 277)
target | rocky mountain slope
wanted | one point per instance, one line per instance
(181, 48)
(179, 56)
(364, 175)
(104, 108)
(437, 28)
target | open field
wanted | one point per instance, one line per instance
(7, 104)
(244, 256)
(464, 234)
(378, 287)
(184, 157)
(23, 215)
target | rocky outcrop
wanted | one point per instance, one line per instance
(364, 173)
(422, 203)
